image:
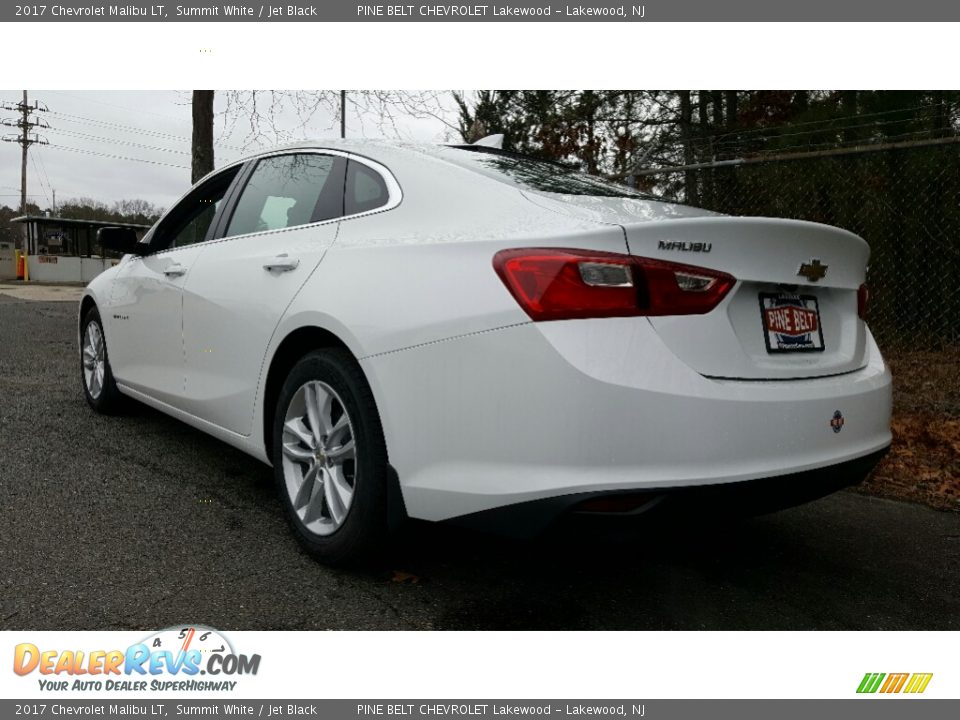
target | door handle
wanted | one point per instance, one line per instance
(175, 270)
(282, 263)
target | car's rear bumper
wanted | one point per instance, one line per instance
(747, 497)
(539, 411)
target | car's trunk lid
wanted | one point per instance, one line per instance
(793, 312)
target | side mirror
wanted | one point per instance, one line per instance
(122, 240)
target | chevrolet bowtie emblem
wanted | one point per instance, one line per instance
(813, 270)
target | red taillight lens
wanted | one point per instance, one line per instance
(863, 297)
(675, 289)
(562, 284)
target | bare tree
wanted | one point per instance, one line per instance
(263, 115)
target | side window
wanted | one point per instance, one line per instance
(365, 189)
(289, 190)
(189, 222)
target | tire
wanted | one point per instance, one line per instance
(325, 408)
(96, 376)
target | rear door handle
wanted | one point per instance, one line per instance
(175, 270)
(282, 263)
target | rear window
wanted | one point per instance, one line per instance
(533, 174)
(365, 190)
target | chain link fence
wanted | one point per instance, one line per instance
(904, 200)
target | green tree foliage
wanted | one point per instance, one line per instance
(614, 131)
(10, 231)
(598, 130)
(128, 211)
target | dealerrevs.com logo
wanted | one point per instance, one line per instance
(178, 659)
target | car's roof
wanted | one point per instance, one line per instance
(356, 145)
(387, 152)
(420, 158)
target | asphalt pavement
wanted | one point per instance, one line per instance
(140, 522)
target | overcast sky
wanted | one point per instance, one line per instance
(101, 142)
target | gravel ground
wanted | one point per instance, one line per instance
(139, 522)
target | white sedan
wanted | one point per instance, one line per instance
(459, 332)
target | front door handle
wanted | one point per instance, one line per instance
(175, 270)
(282, 263)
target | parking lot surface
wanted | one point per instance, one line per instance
(140, 522)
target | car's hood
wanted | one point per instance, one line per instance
(616, 210)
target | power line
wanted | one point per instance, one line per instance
(43, 168)
(728, 142)
(118, 157)
(919, 135)
(33, 159)
(139, 112)
(820, 131)
(118, 126)
(133, 129)
(782, 157)
(115, 141)
(859, 116)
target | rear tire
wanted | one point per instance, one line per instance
(330, 459)
(96, 376)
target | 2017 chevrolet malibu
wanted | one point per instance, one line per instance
(458, 332)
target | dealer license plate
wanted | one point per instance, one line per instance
(791, 323)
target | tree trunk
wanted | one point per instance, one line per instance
(686, 127)
(703, 112)
(848, 103)
(941, 118)
(732, 110)
(202, 151)
(801, 99)
(706, 152)
(717, 99)
(730, 148)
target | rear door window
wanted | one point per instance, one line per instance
(365, 189)
(285, 191)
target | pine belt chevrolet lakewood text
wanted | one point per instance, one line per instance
(459, 332)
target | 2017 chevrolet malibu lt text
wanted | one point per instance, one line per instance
(459, 332)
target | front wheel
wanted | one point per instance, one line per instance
(99, 387)
(330, 459)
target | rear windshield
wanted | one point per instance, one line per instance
(533, 174)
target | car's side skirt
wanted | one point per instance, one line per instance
(245, 443)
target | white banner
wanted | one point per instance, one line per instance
(321, 665)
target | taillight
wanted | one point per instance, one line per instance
(863, 297)
(561, 284)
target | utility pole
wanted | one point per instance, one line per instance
(24, 144)
(343, 114)
(26, 125)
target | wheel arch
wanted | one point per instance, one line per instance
(297, 343)
(86, 303)
(294, 346)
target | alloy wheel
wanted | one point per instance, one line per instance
(319, 457)
(94, 359)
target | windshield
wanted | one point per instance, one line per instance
(533, 174)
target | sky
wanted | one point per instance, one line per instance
(113, 145)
